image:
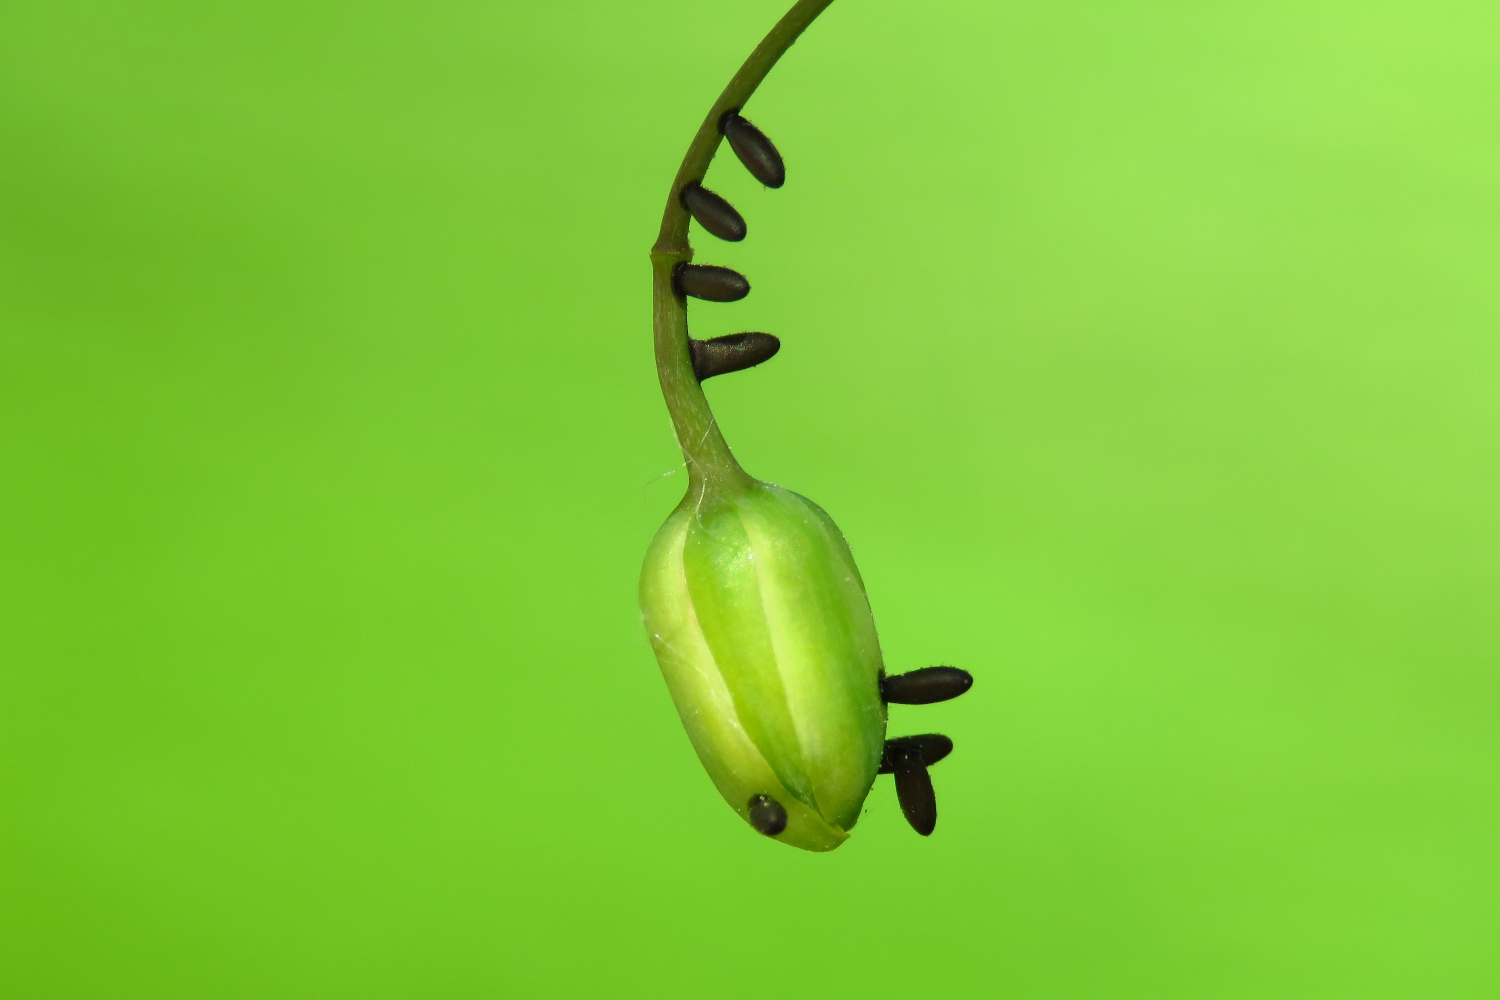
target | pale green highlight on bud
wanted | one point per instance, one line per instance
(761, 625)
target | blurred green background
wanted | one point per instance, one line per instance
(1145, 352)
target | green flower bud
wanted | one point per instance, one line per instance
(756, 612)
(763, 632)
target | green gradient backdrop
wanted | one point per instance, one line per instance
(1147, 354)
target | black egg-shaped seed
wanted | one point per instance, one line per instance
(932, 746)
(712, 283)
(713, 213)
(914, 789)
(755, 151)
(926, 686)
(731, 353)
(767, 815)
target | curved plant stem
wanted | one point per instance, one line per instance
(710, 463)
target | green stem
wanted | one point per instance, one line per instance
(710, 463)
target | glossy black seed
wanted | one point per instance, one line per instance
(925, 686)
(713, 213)
(914, 788)
(715, 284)
(767, 815)
(732, 353)
(755, 151)
(933, 747)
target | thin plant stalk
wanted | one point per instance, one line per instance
(711, 465)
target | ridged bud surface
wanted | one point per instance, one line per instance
(763, 632)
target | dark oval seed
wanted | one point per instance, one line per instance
(767, 815)
(926, 686)
(731, 353)
(713, 213)
(914, 789)
(715, 284)
(755, 151)
(933, 747)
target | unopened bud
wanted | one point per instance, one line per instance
(761, 625)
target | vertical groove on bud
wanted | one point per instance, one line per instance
(726, 588)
